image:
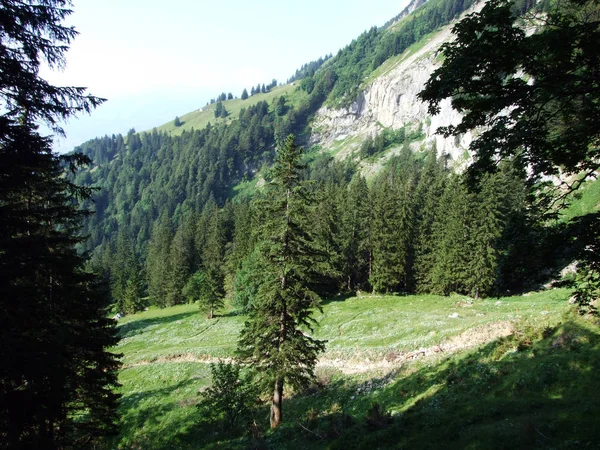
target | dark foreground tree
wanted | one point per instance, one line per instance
(56, 376)
(275, 340)
(535, 97)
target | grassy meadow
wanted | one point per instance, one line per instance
(201, 117)
(456, 372)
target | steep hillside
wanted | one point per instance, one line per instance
(388, 100)
(512, 372)
(177, 169)
(200, 118)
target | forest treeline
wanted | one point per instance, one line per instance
(415, 227)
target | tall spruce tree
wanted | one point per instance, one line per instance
(158, 263)
(355, 234)
(56, 375)
(451, 239)
(392, 228)
(275, 340)
(486, 230)
(213, 253)
(431, 186)
(326, 233)
(181, 256)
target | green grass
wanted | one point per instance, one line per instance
(377, 324)
(166, 353)
(584, 201)
(170, 332)
(390, 63)
(200, 118)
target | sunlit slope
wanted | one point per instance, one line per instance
(398, 351)
(199, 118)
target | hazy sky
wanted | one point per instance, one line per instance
(154, 60)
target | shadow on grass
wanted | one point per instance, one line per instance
(135, 327)
(536, 389)
(341, 297)
(144, 423)
(538, 256)
(233, 313)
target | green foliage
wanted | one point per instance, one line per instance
(177, 122)
(387, 138)
(204, 288)
(272, 340)
(392, 229)
(553, 126)
(158, 263)
(308, 69)
(133, 295)
(355, 235)
(220, 110)
(587, 281)
(248, 279)
(373, 47)
(229, 399)
(57, 378)
(377, 417)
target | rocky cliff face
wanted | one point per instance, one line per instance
(391, 101)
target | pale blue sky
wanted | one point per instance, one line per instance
(154, 60)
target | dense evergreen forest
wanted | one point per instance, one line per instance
(416, 227)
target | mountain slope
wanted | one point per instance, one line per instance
(200, 118)
(454, 373)
(389, 100)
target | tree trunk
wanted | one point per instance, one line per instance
(276, 413)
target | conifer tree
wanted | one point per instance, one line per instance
(274, 340)
(326, 233)
(181, 263)
(392, 229)
(218, 109)
(244, 94)
(224, 113)
(56, 375)
(486, 230)
(451, 239)
(158, 263)
(204, 288)
(356, 233)
(123, 264)
(134, 292)
(213, 253)
(428, 192)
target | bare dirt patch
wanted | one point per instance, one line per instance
(468, 339)
(363, 363)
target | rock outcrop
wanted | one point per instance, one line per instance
(391, 101)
